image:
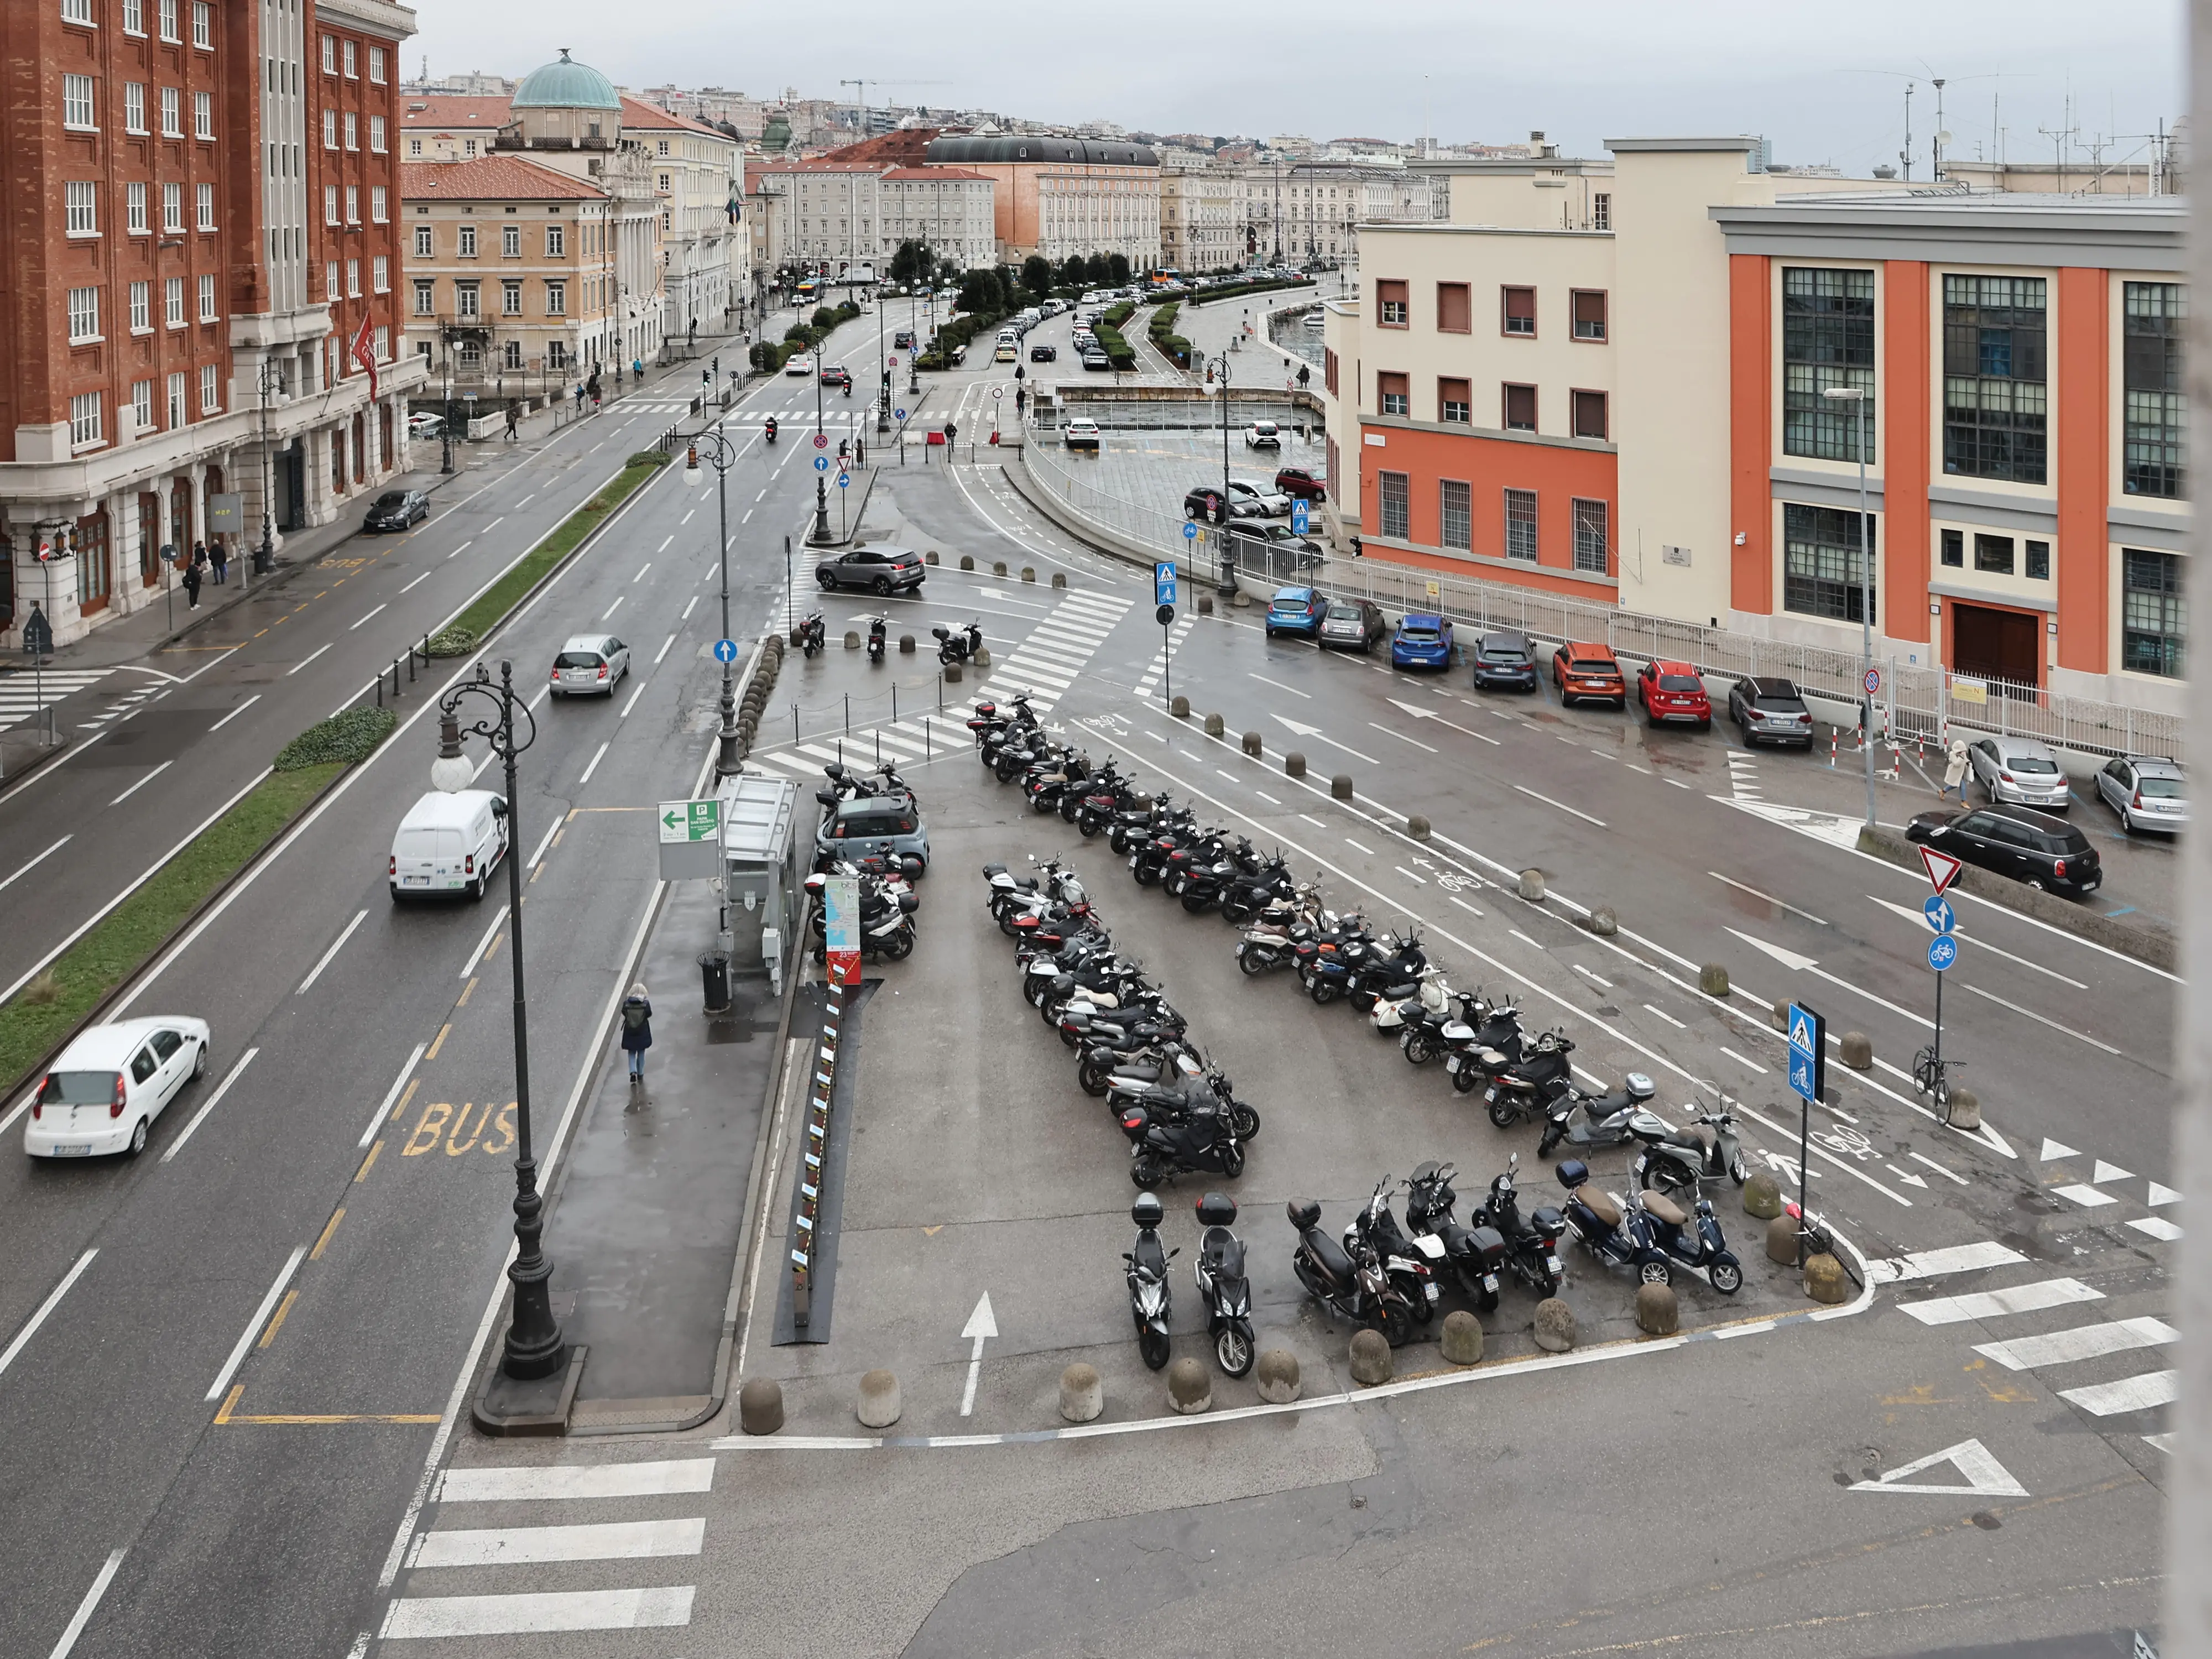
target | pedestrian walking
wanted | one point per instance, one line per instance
(580, 396)
(193, 584)
(637, 1031)
(1955, 770)
(219, 557)
(513, 418)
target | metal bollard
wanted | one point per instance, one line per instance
(848, 714)
(894, 703)
(380, 688)
(794, 722)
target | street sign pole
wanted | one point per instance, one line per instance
(1808, 1080)
(1164, 595)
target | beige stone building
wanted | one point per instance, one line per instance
(1311, 212)
(839, 213)
(1201, 217)
(699, 178)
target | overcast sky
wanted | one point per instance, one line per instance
(1824, 81)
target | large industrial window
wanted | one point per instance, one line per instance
(1521, 525)
(1591, 542)
(1821, 569)
(1827, 340)
(2153, 614)
(1455, 515)
(1995, 370)
(2156, 317)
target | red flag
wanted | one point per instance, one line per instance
(364, 353)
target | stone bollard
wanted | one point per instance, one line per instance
(998, 566)
(983, 656)
(1713, 980)
(906, 645)
(953, 673)
(1657, 1314)
(1778, 1015)
(1190, 1387)
(1781, 1239)
(1555, 1326)
(1277, 1376)
(1294, 765)
(880, 1399)
(1855, 1050)
(852, 640)
(1060, 579)
(1214, 725)
(1418, 827)
(967, 563)
(1252, 743)
(930, 558)
(1242, 601)
(1180, 708)
(1029, 573)
(1824, 1278)
(1762, 1198)
(1965, 1110)
(1370, 1358)
(1082, 1395)
(1205, 604)
(759, 1405)
(1603, 922)
(794, 636)
(1340, 785)
(1532, 886)
(1463, 1338)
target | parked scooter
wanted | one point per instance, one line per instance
(812, 636)
(1147, 1274)
(1528, 1086)
(1160, 1150)
(1396, 1017)
(879, 633)
(1599, 1121)
(957, 645)
(1705, 1150)
(1618, 1236)
(1223, 1286)
(1359, 1289)
(1694, 1240)
(1412, 1263)
(1532, 1247)
(1476, 1051)
(1476, 1253)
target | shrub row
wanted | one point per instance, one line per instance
(1240, 290)
(345, 737)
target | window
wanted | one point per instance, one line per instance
(204, 205)
(1993, 554)
(331, 280)
(172, 120)
(467, 243)
(1521, 525)
(2156, 435)
(511, 355)
(510, 241)
(1455, 401)
(1518, 311)
(77, 11)
(173, 207)
(380, 204)
(142, 307)
(167, 11)
(134, 16)
(83, 216)
(376, 64)
(134, 106)
(203, 115)
(352, 63)
(207, 300)
(352, 131)
(134, 207)
(1589, 414)
(76, 101)
(353, 279)
(353, 205)
(510, 301)
(1821, 567)
(423, 244)
(664, 177)
(172, 302)
(211, 391)
(1954, 548)
(2153, 612)
(1392, 396)
(2038, 560)
(329, 204)
(1390, 503)
(1994, 376)
(1592, 545)
(1827, 340)
(1589, 314)
(330, 129)
(83, 315)
(469, 145)
(380, 274)
(465, 302)
(1390, 304)
(556, 299)
(557, 354)
(202, 25)
(383, 345)
(1455, 515)
(556, 241)
(426, 304)
(1601, 211)
(84, 419)
(329, 54)
(1520, 408)
(142, 405)
(1454, 310)
(376, 134)
(177, 411)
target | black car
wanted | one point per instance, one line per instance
(395, 509)
(835, 374)
(878, 570)
(1770, 709)
(1044, 354)
(2029, 846)
(1503, 660)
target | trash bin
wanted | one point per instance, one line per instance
(714, 976)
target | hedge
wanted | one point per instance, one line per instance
(1239, 290)
(341, 739)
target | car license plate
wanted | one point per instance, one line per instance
(85, 1151)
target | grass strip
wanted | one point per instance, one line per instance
(502, 595)
(47, 1009)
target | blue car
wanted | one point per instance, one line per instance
(1296, 611)
(1422, 640)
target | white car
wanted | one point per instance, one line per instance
(1081, 434)
(800, 362)
(1263, 435)
(1269, 503)
(425, 425)
(111, 1084)
(589, 664)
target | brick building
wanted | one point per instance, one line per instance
(174, 373)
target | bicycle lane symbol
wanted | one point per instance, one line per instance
(1845, 1143)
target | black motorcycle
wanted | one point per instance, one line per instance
(769, 429)
(1476, 1253)
(1360, 1289)
(1532, 1247)
(1223, 1286)
(812, 636)
(1528, 1086)
(957, 645)
(1147, 1274)
(879, 633)
(1161, 1151)
(1412, 1263)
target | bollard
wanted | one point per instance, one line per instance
(1060, 579)
(1205, 604)
(1965, 1110)
(1369, 1358)
(1082, 1395)
(1294, 765)
(1762, 1198)
(1824, 1278)
(1856, 1051)
(1603, 922)
(906, 645)
(951, 675)
(380, 688)
(966, 562)
(1658, 1313)
(1777, 1015)
(879, 1400)
(999, 568)
(852, 640)
(1531, 885)
(759, 1405)
(1463, 1338)
(930, 558)
(1252, 743)
(1555, 1326)
(1180, 708)
(1214, 725)
(1190, 1387)
(1418, 827)
(983, 656)
(1340, 785)
(1713, 980)
(1276, 1376)
(1782, 1240)
(1029, 573)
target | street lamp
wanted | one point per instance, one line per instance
(1858, 397)
(535, 1347)
(1219, 366)
(722, 454)
(265, 557)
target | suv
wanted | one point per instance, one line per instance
(834, 374)
(879, 569)
(1673, 691)
(1081, 434)
(2147, 791)
(2031, 847)
(1770, 709)
(1504, 658)
(903, 340)
(1583, 668)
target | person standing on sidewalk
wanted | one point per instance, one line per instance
(219, 557)
(192, 583)
(637, 1031)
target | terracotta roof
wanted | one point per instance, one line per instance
(490, 179)
(938, 173)
(636, 112)
(421, 110)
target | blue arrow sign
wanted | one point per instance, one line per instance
(1941, 916)
(1163, 582)
(821, 462)
(725, 650)
(1300, 518)
(1190, 532)
(844, 479)
(1942, 950)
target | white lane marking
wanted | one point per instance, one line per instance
(1948, 1175)
(641, 569)
(224, 721)
(336, 945)
(1400, 736)
(390, 1095)
(544, 841)
(495, 1485)
(213, 1100)
(447, 1616)
(2040, 1020)
(1663, 1014)
(40, 858)
(2157, 1227)
(455, 554)
(525, 500)
(1918, 920)
(612, 609)
(1756, 894)
(1992, 1304)
(1952, 1258)
(419, 580)
(2087, 1197)
(1314, 821)
(687, 610)
(53, 1300)
(352, 625)
(82, 1616)
(635, 695)
(1677, 782)
(594, 766)
(2133, 1393)
(142, 783)
(1357, 847)
(493, 526)
(1524, 939)
(1561, 804)
(253, 1325)
(1404, 871)
(305, 661)
(1280, 686)
(606, 1540)
(2082, 1342)
(1740, 1061)
(663, 652)
(663, 548)
(485, 944)
(1465, 906)
(1596, 978)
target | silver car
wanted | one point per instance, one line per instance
(2147, 791)
(2021, 772)
(589, 664)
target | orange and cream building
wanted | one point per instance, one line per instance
(1611, 384)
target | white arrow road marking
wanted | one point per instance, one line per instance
(1419, 714)
(1984, 1476)
(1920, 918)
(980, 1328)
(1304, 731)
(1906, 1175)
(1791, 960)
(2162, 1195)
(2056, 1149)
(2105, 1171)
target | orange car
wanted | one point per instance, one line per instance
(1585, 668)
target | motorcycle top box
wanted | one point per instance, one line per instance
(1305, 1212)
(1573, 1172)
(1219, 1210)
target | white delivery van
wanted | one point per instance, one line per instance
(449, 844)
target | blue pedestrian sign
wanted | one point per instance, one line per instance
(1190, 532)
(1301, 516)
(1941, 916)
(725, 651)
(1163, 582)
(821, 462)
(1942, 950)
(1808, 1051)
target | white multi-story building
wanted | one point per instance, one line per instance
(1201, 217)
(1310, 211)
(838, 214)
(699, 176)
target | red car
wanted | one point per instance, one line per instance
(1300, 485)
(1585, 668)
(1673, 691)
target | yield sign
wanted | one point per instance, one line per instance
(1985, 1477)
(1942, 868)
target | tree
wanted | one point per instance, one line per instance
(981, 291)
(1036, 275)
(1117, 270)
(1072, 271)
(906, 264)
(1096, 271)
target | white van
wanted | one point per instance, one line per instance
(449, 844)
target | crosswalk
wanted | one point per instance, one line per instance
(594, 1522)
(1158, 666)
(21, 696)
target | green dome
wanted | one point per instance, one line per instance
(565, 85)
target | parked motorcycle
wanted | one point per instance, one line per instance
(1223, 1286)
(1599, 1121)
(1704, 1151)
(1528, 1085)
(1412, 1263)
(1532, 1247)
(1147, 1274)
(1358, 1289)
(1476, 1253)
(1477, 1049)
(957, 645)
(1398, 1016)
(1618, 1236)
(812, 636)
(1693, 1240)
(1160, 1150)
(1253, 890)
(879, 637)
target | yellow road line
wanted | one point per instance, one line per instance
(322, 1243)
(462, 1003)
(363, 1174)
(337, 1416)
(229, 1400)
(407, 1094)
(276, 1324)
(436, 1042)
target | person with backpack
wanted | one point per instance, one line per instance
(637, 1031)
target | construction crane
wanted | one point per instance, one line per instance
(864, 84)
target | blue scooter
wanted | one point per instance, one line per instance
(1694, 1241)
(1618, 1236)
